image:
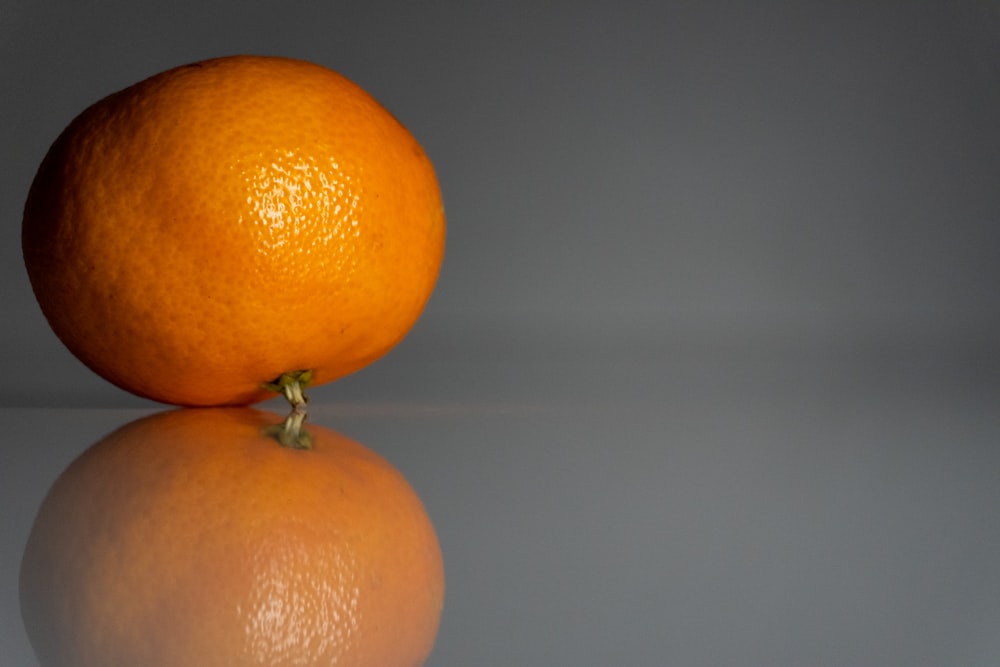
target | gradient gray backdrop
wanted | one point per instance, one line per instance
(689, 211)
(625, 167)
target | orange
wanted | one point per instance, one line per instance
(218, 225)
(190, 539)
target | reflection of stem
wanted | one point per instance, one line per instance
(291, 432)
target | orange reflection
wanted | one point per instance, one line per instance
(192, 537)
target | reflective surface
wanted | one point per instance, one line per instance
(727, 501)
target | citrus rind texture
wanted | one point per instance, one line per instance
(198, 234)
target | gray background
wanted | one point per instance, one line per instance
(711, 373)
(620, 168)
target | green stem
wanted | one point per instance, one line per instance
(292, 385)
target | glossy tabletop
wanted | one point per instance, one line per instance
(726, 500)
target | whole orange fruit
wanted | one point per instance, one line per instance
(190, 539)
(217, 225)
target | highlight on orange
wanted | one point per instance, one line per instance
(195, 537)
(200, 234)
